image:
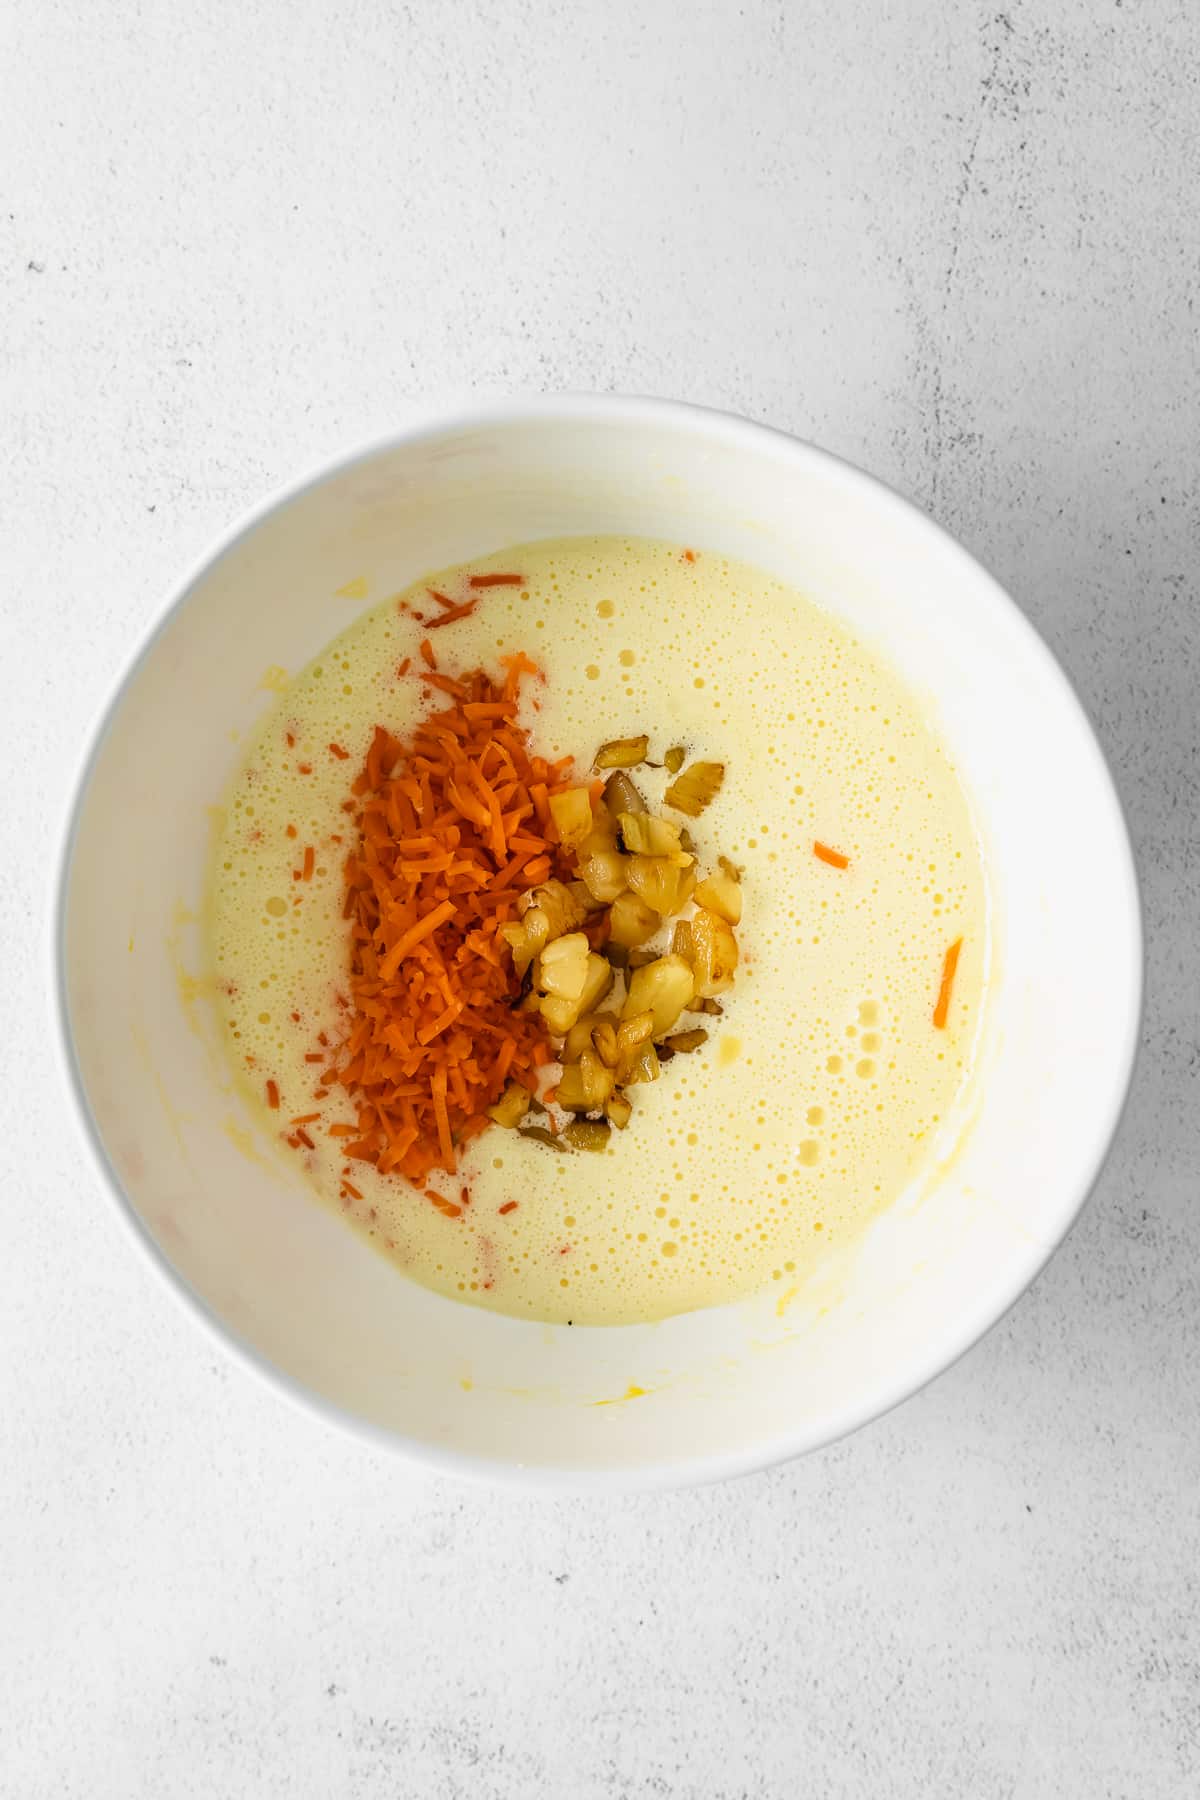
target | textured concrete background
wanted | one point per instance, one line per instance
(957, 245)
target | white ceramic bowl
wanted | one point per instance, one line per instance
(281, 1281)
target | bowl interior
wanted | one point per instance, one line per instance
(724, 1389)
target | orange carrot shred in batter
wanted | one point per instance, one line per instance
(450, 835)
(272, 1094)
(456, 612)
(834, 858)
(487, 581)
(941, 1011)
(451, 1209)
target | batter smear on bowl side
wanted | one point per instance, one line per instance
(602, 928)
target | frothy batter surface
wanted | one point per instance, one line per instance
(824, 1084)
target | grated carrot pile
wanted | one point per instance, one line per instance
(451, 836)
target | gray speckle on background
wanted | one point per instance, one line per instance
(960, 246)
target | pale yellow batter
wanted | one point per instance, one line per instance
(824, 1085)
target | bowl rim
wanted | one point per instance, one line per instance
(991, 1305)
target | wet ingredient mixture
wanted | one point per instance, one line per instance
(790, 1083)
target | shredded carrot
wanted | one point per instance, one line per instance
(305, 1139)
(309, 863)
(517, 665)
(443, 600)
(427, 656)
(336, 750)
(304, 768)
(291, 831)
(416, 934)
(315, 1056)
(834, 858)
(349, 1189)
(405, 666)
(456, 612)
(289, 738)
(689, 556)
(509, 1206)
(941, 1011)
(304, 1119)
(486, 581)
(451, 1210)
(273, 1095)
(449, 837)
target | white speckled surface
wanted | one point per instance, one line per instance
(958, 245)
